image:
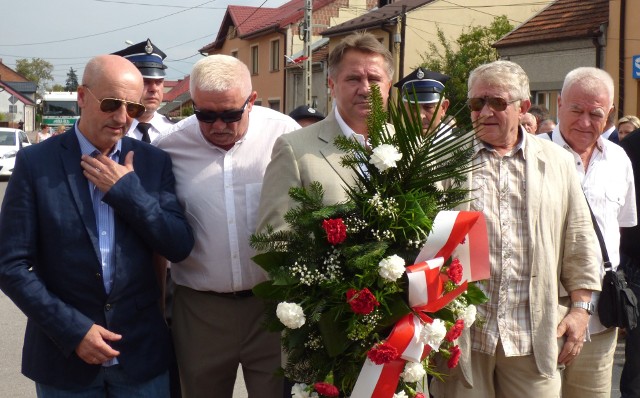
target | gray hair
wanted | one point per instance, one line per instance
(359, 41)
(591, 79)
(220, 73)
(503, 74)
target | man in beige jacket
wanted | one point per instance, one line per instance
(541, 242)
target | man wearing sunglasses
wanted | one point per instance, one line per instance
(606, 175)
(219, 156)
(148, 59)
(83, 215)
(541, 243)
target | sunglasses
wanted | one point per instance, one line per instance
(108, 105)
(495, 103)
(230, 116)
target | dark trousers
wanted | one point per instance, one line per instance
(630, 378)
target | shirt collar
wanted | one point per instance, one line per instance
(556, 136)
(348, 131)
(87, 148)
(479, 145)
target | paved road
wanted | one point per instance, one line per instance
(14, 385)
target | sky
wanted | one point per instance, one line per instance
(67, 33)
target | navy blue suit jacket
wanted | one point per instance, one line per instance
(50, 259)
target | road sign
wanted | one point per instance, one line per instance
(636, 66)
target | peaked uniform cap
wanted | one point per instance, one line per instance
(422, 85)
(147, 58)
(304, 112)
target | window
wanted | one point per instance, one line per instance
(234, 53)
(254, 60)
(275, 56)
(274, 104)
(232, 32)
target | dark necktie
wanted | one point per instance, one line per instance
(144, 129)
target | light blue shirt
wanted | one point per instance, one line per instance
(104, 219)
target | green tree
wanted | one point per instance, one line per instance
(37, 70)
(470, 50)
(58, 87)
(72, 81)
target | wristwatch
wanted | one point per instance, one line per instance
(585, 305)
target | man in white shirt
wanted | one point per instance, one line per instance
(219, 157)
(607, 181)
(148, 59)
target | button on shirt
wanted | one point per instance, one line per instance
(609, 187)
(499, 192)
(220, 192)
(104, 220)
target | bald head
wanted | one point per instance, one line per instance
(107, 76)
(109, 67)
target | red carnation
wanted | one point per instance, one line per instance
(419, 395)
(361, 302)
(454, 272)
(454, 358)
(336, 230)
(383, 353)
(455, 331)
(326, 389)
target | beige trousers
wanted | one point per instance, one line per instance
(589, 375)
(213, 335)
(499, 377)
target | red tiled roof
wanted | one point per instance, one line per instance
(561, 20)
(254, 20)
(180, 88)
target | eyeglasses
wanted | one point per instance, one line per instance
(109, 105)
(495, 103)
(230, 116)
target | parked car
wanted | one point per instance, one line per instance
(11, 141)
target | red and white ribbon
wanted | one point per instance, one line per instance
(458, 234)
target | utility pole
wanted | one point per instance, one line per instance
(308, 31)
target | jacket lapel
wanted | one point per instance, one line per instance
(332, 154)
(79, 187)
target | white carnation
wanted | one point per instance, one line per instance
(385, 156)
(391, 268)
(469, 315)
(290, 314)
(401, 394)
(413, 372)
(433, 333)
(299, 390)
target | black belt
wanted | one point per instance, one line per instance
(238, 294)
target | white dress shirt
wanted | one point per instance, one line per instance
(609, 187)
(220, 192)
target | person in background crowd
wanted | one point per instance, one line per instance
(81, 218)
(584, 105)
(541, 113)
(515, 351)
(43, 134)
(630, 263)
(626, 125)
(546, 126)
(148, 59)
(425, 88)
(306, 115)
(529, 123)
(60, 129)
(219, 156)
